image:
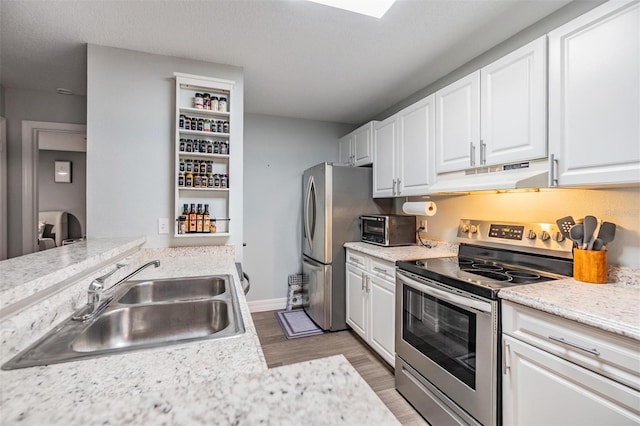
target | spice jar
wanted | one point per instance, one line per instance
(194, 123)
(225, 127)
(197, 180)
(203, 167)
(214, 103)
(224, 181)
(207, 100)
(182, 165)
(181, 179)
(188, 179)
(222, 105)
(210, 180)
(186, 123)
(207, 125)
(182, 224)
(216, 181)
(209, 147)
(224, 148)
(200, 124)
(209, 166)
(198, 101)
(183, 145)
(181, 121)
(216, 147)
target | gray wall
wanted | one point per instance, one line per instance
(69, 197)
(277, 151)
(30, 105)
(130, 143)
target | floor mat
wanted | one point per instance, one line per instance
(296, 323)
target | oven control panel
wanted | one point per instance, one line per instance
(544, 237)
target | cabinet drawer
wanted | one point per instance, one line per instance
(383, 269)
(613, 356)
(357, 259)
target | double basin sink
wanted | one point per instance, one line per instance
(143, 314)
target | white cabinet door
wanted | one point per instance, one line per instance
(382, 317)
(384, 157)
(594, 97)
(416, 147)
(542, 389)
(355, 300)
(344, 150)
(458, 124)
(513, 106)
(362, 145)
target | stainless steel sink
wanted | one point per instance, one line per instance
(143, 314)
(173, 289)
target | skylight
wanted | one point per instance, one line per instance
(375, 8)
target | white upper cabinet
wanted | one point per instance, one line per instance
(385, 146)
(356, 148)
(594, 97)
(513, 120)
(495, 115)
(404, 151)
(416, 147)
(344, 149)
(458, 124)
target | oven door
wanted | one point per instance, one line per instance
(450, 338)
(374, 230)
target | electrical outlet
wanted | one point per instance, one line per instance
(423, 225)
(163, 225)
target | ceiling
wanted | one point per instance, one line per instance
(300, 59)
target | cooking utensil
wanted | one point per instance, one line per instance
(594, 237)
(607, 232)
(565, 224)
(576, 233)
(598, 244)
(590, 224)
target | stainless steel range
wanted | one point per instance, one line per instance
(448, 316)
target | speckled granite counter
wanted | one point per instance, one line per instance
(222, 381)
(25, 275)
(392, 254)
(610, 307)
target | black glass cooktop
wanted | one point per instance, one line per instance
(484, 271)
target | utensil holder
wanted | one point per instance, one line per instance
(590, 266)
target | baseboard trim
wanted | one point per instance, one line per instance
(267, 304)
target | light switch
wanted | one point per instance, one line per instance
(163, 225)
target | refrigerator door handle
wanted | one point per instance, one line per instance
(310, 209)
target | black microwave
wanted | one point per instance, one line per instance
(388, 230)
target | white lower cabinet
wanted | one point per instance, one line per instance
(370, 302)
(558, 372)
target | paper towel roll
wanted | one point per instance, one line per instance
(420, 208)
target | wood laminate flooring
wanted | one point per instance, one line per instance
(278, 351)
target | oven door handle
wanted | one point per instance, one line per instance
(464, 302)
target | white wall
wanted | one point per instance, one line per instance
(130, 132)
(620, 206)
(277, 151)
(31, 105)
(69, 197)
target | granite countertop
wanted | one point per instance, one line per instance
(413, 252)
(223, 381)
(23, 276)
(610, 307)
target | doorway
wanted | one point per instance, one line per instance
(52, 137)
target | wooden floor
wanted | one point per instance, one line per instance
(278, 350)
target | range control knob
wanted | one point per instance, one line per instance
(465, 227)
(473, 229)
(544, 236)
(557, 236)
(531, 234)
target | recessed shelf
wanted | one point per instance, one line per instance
(182, 188)
(199, 133)
(203, 235)
(203, 155)
(206, 112)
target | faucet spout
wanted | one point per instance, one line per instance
(99, 298)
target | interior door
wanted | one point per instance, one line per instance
(316, 292)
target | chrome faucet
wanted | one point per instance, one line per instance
(98, 298)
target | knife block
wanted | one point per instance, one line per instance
(590, 266)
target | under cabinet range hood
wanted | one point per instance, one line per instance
(522, 175)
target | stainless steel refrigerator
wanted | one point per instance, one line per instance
(334, 198)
